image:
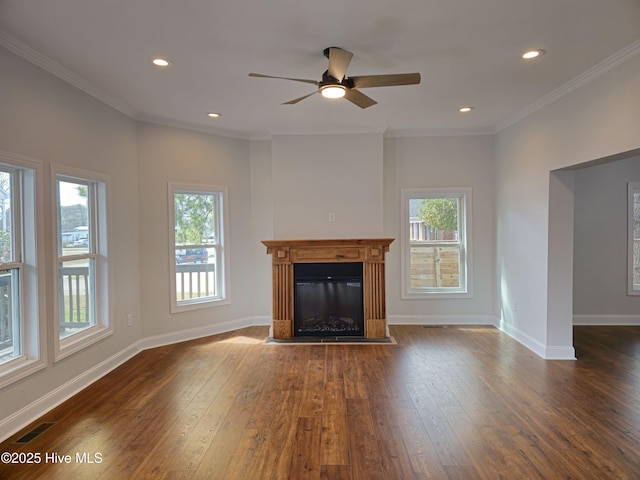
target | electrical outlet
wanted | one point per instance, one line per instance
(332, 217)
(514, 305)
(130, 320)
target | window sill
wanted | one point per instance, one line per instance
(435, 295)
(187, 307)
(14, 371)
(73, 344)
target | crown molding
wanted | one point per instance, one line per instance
(259, 136)
(440, 132)
(608, 64)
(328, 130)
(158, 120)
(29, 54)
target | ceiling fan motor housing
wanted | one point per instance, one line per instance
(329, 80)
(326, 51)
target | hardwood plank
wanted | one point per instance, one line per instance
(313, 389)
(248, 458)
(335, 472)
(334, 364)
(353, 373)
(305, 458)
(449, 448)
(334, 448)
(421, 452)
(334, 444)
(391, 447)
(281, 438)
(363, 444)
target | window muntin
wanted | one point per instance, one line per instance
(435, 235)
(198, 248)
(634, 239)
(82, 293)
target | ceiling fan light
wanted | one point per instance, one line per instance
(333, 91)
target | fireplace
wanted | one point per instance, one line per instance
(289, 256)
(328, 299)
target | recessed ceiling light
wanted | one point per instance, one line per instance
(532, 54)
(213, 115)
(161, 62)
(465, 109)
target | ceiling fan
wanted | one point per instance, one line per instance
(335, 84)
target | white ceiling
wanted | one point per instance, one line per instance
(467, 51)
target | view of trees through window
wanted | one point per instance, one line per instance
(194, 218)
(439, 216)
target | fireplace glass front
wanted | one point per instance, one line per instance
(328, 299)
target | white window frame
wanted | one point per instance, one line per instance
(99, 205)
(221, 245)
(633, 188)
(465, 290)
(30, 241)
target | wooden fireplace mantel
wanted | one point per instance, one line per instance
(369, 251)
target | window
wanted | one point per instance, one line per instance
(21, 351)
(634, 239)
(198, 246)
(82, 287)
(435, 243)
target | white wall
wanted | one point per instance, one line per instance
(262, 228)
(424, 162)
(45, 118)
(315, 175)
(600, 253)
(595, 121)
(167, 154)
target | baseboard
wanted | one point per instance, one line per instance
(560, 353)
(611, 320)
(442, 320)
(23, 417)
(566, 352)
(199, 332)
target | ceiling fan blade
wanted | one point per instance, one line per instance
(358, 98)
(296, 100)
(367, 81)
(339, 60)
(303, 80)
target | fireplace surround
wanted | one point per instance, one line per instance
(369, 252)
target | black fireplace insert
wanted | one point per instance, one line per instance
(328, 299)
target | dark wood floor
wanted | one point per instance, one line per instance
(445, 403)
